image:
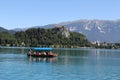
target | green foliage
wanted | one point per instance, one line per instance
(6, 38)
(41, 37)
(108, 46)
(50, 37)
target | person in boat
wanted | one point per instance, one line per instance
(50, 53)
(34, 53)
(30, 51)
(44, 53)
(37, 53)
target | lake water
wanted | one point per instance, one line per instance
(71, 64)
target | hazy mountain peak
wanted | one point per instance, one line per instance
(102, 30)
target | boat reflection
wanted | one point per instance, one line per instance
(39, 59)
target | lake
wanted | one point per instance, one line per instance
(71, 64)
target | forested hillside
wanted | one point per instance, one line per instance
(55, 37)
(7, 39)
(95, 30)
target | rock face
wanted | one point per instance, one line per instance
(97, 30)
(64, 31)
(94, 30)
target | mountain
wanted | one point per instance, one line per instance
(5, 30)
(95, 30)
(19, 29)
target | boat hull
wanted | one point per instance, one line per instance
(49, 56)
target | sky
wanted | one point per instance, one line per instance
(28, 13)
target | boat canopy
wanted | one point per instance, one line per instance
(43, 49)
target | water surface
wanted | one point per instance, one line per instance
(71, 64)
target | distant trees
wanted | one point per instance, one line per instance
(55, 37)
(49, 37)
(6, 39)
(107, 46)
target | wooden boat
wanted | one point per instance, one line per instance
(41, 52)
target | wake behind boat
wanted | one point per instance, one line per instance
(41, 52)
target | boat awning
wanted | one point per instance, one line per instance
(43, 49)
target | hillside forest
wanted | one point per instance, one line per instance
(40, 37)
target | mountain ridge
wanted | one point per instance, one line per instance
(6, 30)
(94, 30)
